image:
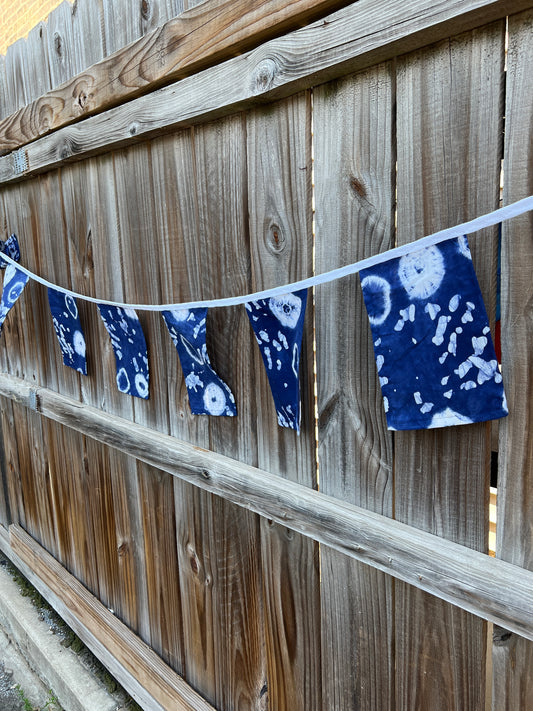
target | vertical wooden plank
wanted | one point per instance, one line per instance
(27, 341)
(140, 263)
(127, 20)
(449, 125)
(354, 181)
(88, 33)
(61, 44)
(12, 483)
(202, 174)
(5, 513)
(102, 201)
(36, 70)
(279, 189)
(3, 97)
(161, 556)
(232, 555)
(512, 655)
(15, 93)
(75, 39)
(190, 640)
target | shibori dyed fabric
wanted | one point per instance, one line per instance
(11, 248)
(278, 326)
(68, 330)
(129, 345)
(434, 352)
(14, 283)
(208, 394)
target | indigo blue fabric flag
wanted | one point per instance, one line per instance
(14, 283)
(68, 330)
(129, 345)
(208, 394)
(11, 248)
(434, 352)
(278, 326)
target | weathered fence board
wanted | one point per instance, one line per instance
(279, 204)
(138, 63)
(154, 510)
(512, 657)
(351, 39)
(156, 686)
(448, 169)
(473, 581)
(354, 179)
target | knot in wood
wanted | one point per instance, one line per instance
(276, 241)
(500, 636)
(263, 76)
(58, 44)
(145, 9)
(81, 95)
(194, 560)
(357, 186)
(46, 117)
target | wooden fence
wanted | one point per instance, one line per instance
(226, 563)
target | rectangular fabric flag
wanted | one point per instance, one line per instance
(278, 325)
(68, 330)
(14, 283)
(434, 353)
(129, 346)
(11, 248)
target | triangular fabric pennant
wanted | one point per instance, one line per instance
(68, 330)
(14, 283)
(434, 352)
(129, 345)
(278, 326)
(208, 393)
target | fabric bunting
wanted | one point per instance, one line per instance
(208, 394)
(14, 283)
(278, 326)
(434, 352)
(68, 330)
(129, 345)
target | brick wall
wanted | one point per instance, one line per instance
(18, 17)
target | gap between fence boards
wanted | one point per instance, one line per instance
(485, 586)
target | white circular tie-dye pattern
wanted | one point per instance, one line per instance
(422, 272)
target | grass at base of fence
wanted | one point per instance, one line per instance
(68, 638)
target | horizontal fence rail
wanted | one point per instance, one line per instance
(349, 40)
(197, 38)
(485, 586)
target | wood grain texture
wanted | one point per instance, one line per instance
(449, 150)
(133, 663)
(356, 37)
(224, 540)
(138, 236)
(176, 245)
(512, 657)
(488, 587)
(141, 58)
(3, 97)
(354, 171)
(279, 206)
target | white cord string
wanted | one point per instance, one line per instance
(491, 218)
